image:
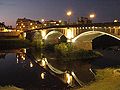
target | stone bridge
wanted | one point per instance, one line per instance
(81, 36)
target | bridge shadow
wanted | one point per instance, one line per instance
(104, 41)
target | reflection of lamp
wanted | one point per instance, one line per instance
(31, 65)
(43, 75)
(43, 63)
(68, 78)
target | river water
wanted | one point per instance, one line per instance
(24, 68)
(32, 70)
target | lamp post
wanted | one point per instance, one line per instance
(69, 13)
(92, 16)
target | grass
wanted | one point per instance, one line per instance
(106, 79)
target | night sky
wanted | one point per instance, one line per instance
(10, 10)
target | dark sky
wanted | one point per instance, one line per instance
(10, 10)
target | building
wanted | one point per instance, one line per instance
(54, 23)
(23, 24)
(84, 20)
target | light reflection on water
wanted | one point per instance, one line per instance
(22, 69)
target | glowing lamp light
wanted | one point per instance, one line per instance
(115, 20)
(31, 24)
(69, 13)
(92, 15)
(33, 27)
(36, 26)
(42, 20)
(60, 21)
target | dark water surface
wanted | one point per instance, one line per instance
(22, 68)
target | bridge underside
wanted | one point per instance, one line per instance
(104, 41)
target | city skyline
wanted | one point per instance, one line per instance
(53, 9)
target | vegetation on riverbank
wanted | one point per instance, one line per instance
(67, 52)
(10, 88)
(106, 79)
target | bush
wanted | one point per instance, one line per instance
(63, 48)
(66, 52)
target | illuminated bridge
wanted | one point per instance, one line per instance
(86, 36)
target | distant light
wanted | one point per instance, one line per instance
(31, 24)
(45, 24)
(69, 13)
(42, 20)
(57, 24)
(23, 57)
(33, 27)
(60, 21)
(116, 20)
(36, 26)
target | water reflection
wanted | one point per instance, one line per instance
(31, 69)
(75, 72)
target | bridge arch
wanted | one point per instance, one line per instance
(96, 38)
(92, 35)
(54, 37)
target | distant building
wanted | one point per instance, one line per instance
(54, 23)
(23, 24)
(84, 20)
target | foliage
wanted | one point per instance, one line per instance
(66, 51)
(106, 79)
(63, 48)
(37, 40)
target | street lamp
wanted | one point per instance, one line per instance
(92, 16)
(69, 13)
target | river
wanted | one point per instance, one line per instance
(25, 68)
(30, 69)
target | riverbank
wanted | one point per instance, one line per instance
(106, 79)
(10, 88)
